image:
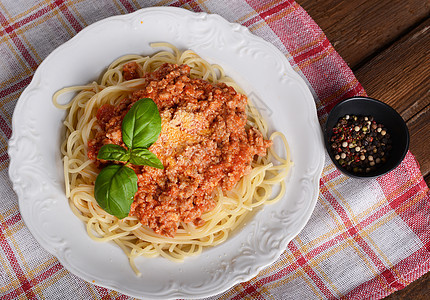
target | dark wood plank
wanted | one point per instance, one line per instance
(400, 76)
(419, 128)
(359, 29)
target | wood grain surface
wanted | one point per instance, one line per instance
(387, 45)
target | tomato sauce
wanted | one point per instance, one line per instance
(204, 144)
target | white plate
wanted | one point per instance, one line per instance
(37, 173)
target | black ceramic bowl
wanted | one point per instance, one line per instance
(382, 113)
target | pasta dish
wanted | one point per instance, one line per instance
(218, 163)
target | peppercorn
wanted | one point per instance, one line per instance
(359, 143)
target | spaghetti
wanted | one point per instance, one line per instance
(264, 184)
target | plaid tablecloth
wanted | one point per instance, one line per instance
(365, 239)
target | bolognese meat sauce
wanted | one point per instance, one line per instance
(204, 144)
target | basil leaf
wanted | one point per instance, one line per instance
(141, 125)
(142, 156)
(115, 188)
(113, 152)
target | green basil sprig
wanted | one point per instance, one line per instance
(115, 188)
(113, 152)
(141, 125)
(116, 184)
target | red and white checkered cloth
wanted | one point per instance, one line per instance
(365, 239)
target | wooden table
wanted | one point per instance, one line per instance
(387, 45)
